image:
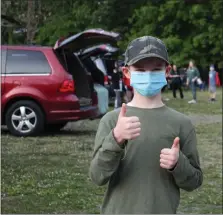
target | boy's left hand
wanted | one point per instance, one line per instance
(169, 157)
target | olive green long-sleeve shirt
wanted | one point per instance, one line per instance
(136, 182)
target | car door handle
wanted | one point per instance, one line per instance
(16, 83)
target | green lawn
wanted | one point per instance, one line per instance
(202, 106)
(49, 174)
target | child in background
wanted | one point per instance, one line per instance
(212, 84)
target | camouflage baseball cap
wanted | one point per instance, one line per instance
(144, 47)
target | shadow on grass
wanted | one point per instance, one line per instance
(69, 133)
(5, 131)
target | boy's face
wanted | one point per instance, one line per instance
(146, 64)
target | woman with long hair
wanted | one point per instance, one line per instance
(193, 76)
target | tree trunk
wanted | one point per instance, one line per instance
(30, 21)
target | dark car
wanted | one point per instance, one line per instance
(45, 87)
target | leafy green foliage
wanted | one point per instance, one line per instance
(191, 31)
(64, 24)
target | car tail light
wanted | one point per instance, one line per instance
(67, 86)
(106, 79)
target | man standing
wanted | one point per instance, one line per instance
(145, 150)
(176, 81)
(117, 86)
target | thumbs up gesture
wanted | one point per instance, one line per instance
(127, 128)
(169, 157)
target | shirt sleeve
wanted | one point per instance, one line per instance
(107, 155)
(187, 173)
(197, 73)
(187, 73)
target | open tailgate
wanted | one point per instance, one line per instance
(85, 39)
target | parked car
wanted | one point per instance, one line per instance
(45, 87)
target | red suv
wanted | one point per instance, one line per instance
(45, 87)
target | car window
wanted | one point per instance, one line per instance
(26, 62)
(3, 53)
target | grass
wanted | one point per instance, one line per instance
(49, 174)
(208, 198)
(202, 106)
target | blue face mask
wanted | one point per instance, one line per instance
(148, 83)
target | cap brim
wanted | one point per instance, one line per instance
(140, 57)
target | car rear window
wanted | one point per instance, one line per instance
(26, 62)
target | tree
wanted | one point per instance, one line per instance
(189, 31)
(68, 21)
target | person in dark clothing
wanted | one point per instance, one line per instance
(96, 73)
(176, 82)
(117, 86)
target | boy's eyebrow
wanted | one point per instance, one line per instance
(139, 68)
(159, 67)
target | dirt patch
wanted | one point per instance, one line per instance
(83, 125)
(205, 119)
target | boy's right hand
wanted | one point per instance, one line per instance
(127, 128)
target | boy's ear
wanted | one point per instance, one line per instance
(126, 72)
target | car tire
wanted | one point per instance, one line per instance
(25, 118)
(54, 127)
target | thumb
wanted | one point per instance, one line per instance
(123, 110)
(176, 143)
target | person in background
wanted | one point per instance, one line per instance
(167, 86)
(128, 88)
(212, 84)
(218, 82)
(122, 85)
(192, 76)
(117, 86)
(176, 81)
(168, 70)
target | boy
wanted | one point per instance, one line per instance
(212, 84)
(145, 150)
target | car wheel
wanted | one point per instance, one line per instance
(24, 118)
(55, 127)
